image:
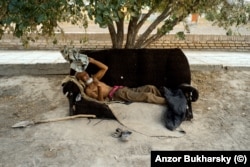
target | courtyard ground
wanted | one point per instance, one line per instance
(221, 122)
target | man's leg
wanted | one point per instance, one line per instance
(128, 94)
(147, 89)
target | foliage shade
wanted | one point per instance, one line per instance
(23, 17)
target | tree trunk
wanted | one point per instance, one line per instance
(132, 33)
(120, 33)
(133, 40)
(133, 28)
(117, 35)
(112, 34)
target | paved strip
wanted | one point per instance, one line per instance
(32, 63)
(213, 60)
(52, 62)
(30, 57)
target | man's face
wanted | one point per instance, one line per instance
(85, 76)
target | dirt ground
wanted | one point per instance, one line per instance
(221, 122)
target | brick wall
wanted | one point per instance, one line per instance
(101, 41)
(213, 42)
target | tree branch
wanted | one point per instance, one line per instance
(150, 40)
(159, 35)
(144, 18)
(149, 30)
(133, 27)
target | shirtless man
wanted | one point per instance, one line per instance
(100, 91)
(94, 87)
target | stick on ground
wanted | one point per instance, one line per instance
(24, 124)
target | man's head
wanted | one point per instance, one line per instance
(84, 76)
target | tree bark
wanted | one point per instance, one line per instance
(131, 35)
(112, 34)
(117, 35)
(157, 36)
(120, 33)
(149, 30)
(133, 29)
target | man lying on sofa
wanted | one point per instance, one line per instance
(100, 91)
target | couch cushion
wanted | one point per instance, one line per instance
(137, 67)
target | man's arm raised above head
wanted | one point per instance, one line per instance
(103, 68)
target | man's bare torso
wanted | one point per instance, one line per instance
(92, 89)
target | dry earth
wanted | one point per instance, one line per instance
(221, 122)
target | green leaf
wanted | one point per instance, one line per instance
(229, 32)
(99, 19)
(133, 14)
(180, 35)
(106, 13)
(100, 5)
(120, 14)
(41, 18)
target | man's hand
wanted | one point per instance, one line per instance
(103, 68)
(91, 60)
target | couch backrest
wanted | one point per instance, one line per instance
(136, 67)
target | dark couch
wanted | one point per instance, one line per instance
(136, 67)
(167, 68)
